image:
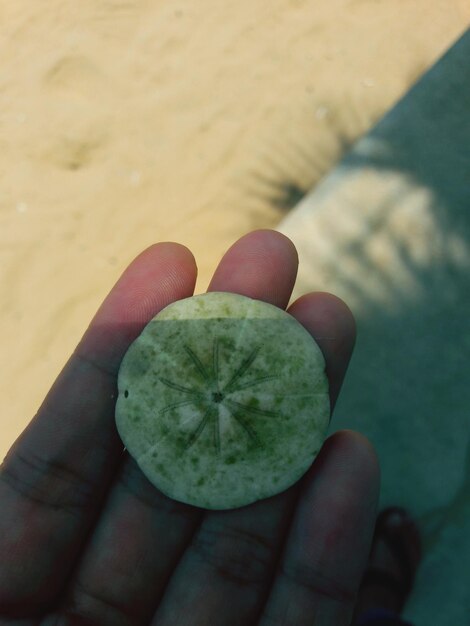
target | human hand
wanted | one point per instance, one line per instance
(86, 540)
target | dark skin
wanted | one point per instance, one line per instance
(85, 539)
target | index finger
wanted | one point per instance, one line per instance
(53, 479)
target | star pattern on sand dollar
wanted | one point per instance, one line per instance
(219, 394)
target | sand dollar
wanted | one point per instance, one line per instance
(223, 400)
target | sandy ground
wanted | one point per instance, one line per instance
(123, 123)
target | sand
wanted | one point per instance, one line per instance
(124, 123)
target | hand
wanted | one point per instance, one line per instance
(85, 539)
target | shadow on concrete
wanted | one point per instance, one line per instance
(388, 230)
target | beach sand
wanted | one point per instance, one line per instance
(124, 123)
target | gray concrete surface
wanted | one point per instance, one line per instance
(388, 230)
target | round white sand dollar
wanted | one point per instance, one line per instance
(223, 400)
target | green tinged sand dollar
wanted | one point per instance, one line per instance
(223, 400)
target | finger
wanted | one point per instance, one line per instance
(234, 553)
(329, 540)
(332, 325)
(151, 530)
(53, 479)
(261, 265)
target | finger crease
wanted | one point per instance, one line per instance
(242, 558)
(95, 364)
(95, 606)
(318, 584)
(49, 483)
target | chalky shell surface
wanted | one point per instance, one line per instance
(223, 400)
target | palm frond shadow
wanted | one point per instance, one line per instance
(282, 177)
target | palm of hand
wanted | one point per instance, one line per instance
(86, 540)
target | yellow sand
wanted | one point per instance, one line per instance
(126, 122)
